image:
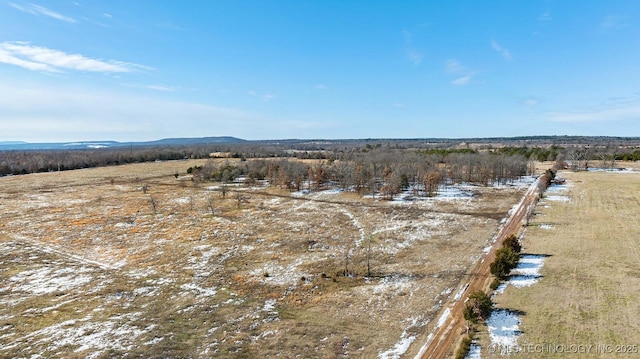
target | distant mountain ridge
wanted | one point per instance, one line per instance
(21, 145)
(314, 144)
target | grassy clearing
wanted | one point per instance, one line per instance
(591, 286)
(90, 269)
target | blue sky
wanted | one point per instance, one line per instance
(144, 70)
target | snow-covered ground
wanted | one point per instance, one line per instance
(475, 352)
(504, 330)
(503, 324)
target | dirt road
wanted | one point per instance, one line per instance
(451, 324)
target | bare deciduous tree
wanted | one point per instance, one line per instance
(154, 204)
(211, 205)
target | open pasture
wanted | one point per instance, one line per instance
(138, 260)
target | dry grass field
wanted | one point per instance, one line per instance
(89, 268)
(586, 303)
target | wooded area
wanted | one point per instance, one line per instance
(384, 172)
(368, 158)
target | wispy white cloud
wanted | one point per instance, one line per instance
(610, 111)
(264, 97)
(38, 58)
(454, 67)
(613, 22)
(501, 50)
(545, 17)
(461, 81)
(164, 88)
(161, 88)
(530, 101)
(34, 9)
(413, 55)
(320, 87)
(107, 15)
(408, 37)
(463, 75)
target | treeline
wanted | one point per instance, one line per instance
(382, 171)
(453, 153)
(16, 162)
(629, 156)
(24, 162)
(533, 153)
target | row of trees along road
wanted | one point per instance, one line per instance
(382, 171)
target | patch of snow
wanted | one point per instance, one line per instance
(153, 341)
(269, 305)
(141, 273)
(546, 226)
(500, 288)
(474, 352)
(401, 346)
(183, 200)
(145, 291)
(423, 349)
(124, 225)
(558, 198)
(443, 317)
(460, 292)
(356, 224)
(393, 284)
(332, 191)
(46, 281)
(521, 182)
(454, 192)
(503, 324)
(530, 264)
(207, 292)
(526, 273)
(98, 337)
(300, 193)
(559, 188)
(279, 274)
(44, 310)
(611, 170)
(504, 330)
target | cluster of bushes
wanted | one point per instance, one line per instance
(479, 307)
(507, 258)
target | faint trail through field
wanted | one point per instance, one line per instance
(356, 224)
(52, 248)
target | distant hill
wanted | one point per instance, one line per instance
(11, 143)
(26, 146)
(193, 141)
